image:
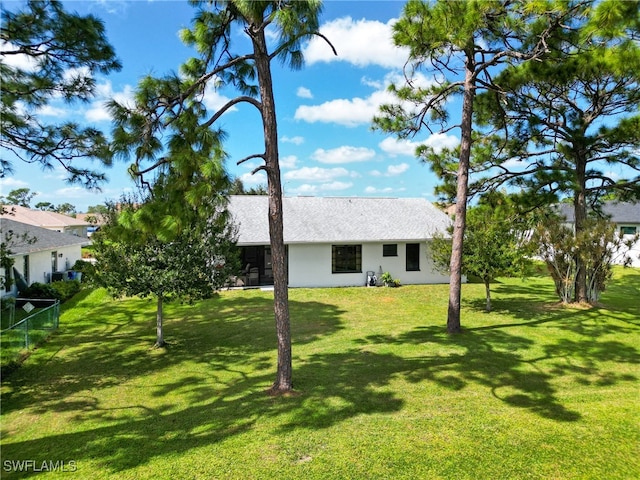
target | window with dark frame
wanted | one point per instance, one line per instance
(628, 230)
(346, 258)
(390, 250)
(413, 257)
(25, 268)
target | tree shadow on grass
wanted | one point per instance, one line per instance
(535, 304)
(334, 387)
(502, 362)
(117, 346)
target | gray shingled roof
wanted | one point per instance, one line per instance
(45, 239)
(620, 212)
(339, 219)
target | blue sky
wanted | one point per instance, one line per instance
(327, 146)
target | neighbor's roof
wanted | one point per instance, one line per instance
(619, 212)
(339, 219)
(42, 218)
(44, 239)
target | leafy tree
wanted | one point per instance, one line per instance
(493, 243)
(49, 53)
(238, 188)
(190, 266)
(98, 209)
(20, 196)
(564, 125)
(66, 209)
(594, 249)
(172, 107)
(45, 206)
(463, 45)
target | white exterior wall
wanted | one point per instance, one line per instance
(40, 263)
(310, 266)
(633, 253)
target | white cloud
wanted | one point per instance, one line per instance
(214, 100)
(515, 164)
(391, 171)
(385, 190)
(344, 154)
(359, 42)
(308, 189)
(294, 140)
(104, 92)
(19, 61)
(290, 161)
(316, 174)
(358, 111)
(10, 183)
(437, 141)
(303, 92)
(253, 180)
(347, 112)
(51, 111)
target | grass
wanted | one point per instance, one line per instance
(532, 390)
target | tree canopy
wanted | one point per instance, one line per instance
(49, 53)
(461, 46)
(569, 125)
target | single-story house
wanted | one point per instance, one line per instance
(625, 215)
(49, 220)
(46, 257)
(336, 242)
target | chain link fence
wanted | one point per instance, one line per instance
(26, 323)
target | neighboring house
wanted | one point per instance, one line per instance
(335, 242)
(626, 216)
(49, 220)
(47, 258)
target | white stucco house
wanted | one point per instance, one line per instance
(336, 242)
(48, 257)
(626, 216)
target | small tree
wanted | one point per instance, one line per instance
(556, 247)
(493, 245)
(189, 266)
(593, 248)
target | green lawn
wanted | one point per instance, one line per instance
(532, 390)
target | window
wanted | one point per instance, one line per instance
(346, 259)
(628, 230)
(390, 250)
(413, 257)
(25, 268)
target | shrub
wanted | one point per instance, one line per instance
(56, 290)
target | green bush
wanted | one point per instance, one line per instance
(87, 269)
(56, 290)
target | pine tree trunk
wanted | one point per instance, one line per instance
(159, 327)
(580, 216)
(283, 382)
(455, 280)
